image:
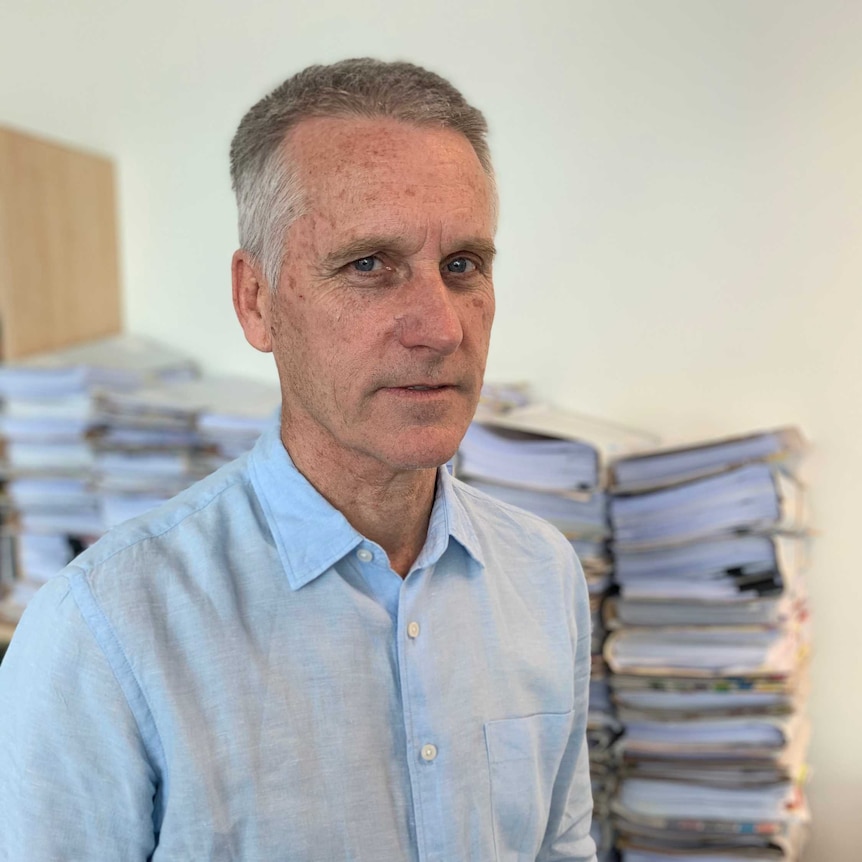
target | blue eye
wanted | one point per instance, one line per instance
(460, 265)
(365, 264)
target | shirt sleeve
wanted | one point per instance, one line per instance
(76, 781)
(567, 838)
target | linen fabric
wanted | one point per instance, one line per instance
(240, 675)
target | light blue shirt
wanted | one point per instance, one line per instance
(240, 675)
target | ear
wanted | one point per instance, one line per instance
(251, 300)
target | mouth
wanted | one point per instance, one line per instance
(421, 390)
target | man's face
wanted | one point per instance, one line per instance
(382, 316)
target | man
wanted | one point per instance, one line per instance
(329, 649)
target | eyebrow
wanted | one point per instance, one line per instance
(362, 246)
(481, 246)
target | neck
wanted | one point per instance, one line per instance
(390, 507)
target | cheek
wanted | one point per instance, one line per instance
(482, 313)
(292, 340)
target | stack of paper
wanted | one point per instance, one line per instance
(48, 462)
(236, 413)
(673, 466)
(521, 458)
(545, 449)
(715, 824)
(157, 440)
(752, 498)
(48, 424)
(117, 362)
(708, 646)
(555, 465)
(145, 450)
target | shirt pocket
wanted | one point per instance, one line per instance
(524, 756)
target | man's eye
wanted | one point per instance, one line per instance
(367, 264)
(460, 265)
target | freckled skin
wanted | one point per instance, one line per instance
(353, 334)
(414, 208)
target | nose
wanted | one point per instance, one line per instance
(429, 316)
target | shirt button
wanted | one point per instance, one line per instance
(365, 555)
(413, 630)
(429, 752)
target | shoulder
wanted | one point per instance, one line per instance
(146, 568)
(51, 614)
(171, 574)
(529, 562)
(523, 550)
(497, 521)
(174, 522)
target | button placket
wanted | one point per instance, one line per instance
(416, 670)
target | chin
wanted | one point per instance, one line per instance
(419, 457)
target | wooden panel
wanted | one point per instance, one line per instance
(59, 272)
(7, 629)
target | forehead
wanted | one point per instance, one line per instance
(368, 162)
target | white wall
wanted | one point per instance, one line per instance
(682, 210)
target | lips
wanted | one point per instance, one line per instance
(423, 383)
(418, 385)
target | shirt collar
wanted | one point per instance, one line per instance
(448, 518)
(311, 535)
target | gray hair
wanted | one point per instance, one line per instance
(268, 195)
